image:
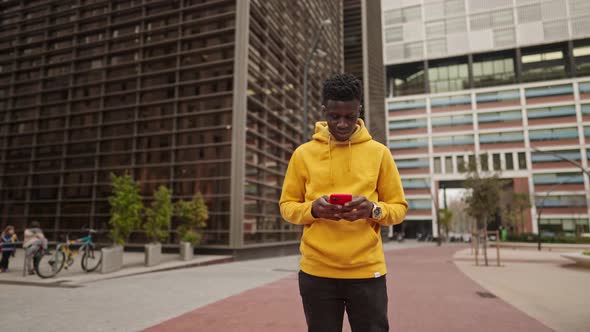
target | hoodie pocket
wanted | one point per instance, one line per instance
(341, 244)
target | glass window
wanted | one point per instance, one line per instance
(407, 124)
(451, 101)
(421, 183)
(437, 47)
(392, 17)
(412, 163)
(471, 163)
(551, 112)
(499, 117)
(394, 34)
(505, 137)
(455, 25)
(553, 134)
(420, 204)
(413, 50)
(509, 161)
(582, 58)
(411, 143)
(586, 131)
(435, 29)
(483, 159)
(504, 37)
(552, 156)
(584, 87)
(558, 178)
(500, 96)
(452, 140)
(410, 14)
(407, 79)
(406, 105)
(437, 165)
(496, 162)
(449, 165)
(491, 70)
(448, 76)
(586, 109)
(543, 64)
(549, 91)
(561, 201)
(522, 160)
(461, 167)
(453, 120)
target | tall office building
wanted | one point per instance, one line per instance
(503, 84)
(197, 95)
(363, 57)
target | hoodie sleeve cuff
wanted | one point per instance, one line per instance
(307, 217)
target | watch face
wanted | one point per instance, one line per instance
(377, 212)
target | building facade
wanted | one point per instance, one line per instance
(500, 84)
(196, 95)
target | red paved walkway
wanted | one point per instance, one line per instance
(426, 291)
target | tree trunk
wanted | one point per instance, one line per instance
(485, 241)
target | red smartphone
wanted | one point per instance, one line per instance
(340, 198)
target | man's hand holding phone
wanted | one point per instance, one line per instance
(358, 208)
(322, 208)
(339, 206)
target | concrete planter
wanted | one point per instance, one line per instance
(186, 251)
(579, 258)
(112, 259)
(153, 254)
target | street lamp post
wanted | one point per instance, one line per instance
(314, 47)
(573, 162)
(541, 209)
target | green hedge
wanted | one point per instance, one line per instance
(529, 237)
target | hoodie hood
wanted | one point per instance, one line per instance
(323, 136)
(360, 135)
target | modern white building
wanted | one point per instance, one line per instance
(488, 82)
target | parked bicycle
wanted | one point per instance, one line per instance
(49, 264)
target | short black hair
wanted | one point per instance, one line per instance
(342, 87)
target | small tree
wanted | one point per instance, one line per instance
(483, 200)
(126, 207)
(193, 215)
(445, 217)
(159, 215)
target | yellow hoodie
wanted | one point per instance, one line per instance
(360, 166)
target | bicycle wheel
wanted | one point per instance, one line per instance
(48, 265)
(91, 259)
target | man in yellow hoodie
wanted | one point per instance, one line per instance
(342, 263)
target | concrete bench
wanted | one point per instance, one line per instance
(579, 258)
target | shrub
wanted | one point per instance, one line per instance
(193, 215)
(159, 215)
(126, 207)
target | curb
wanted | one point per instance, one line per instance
(77, 284)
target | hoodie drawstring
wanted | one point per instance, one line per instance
(330, 154)
(350, 157)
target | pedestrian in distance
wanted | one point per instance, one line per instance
(343, 186)
(34, 239)
(7, 241)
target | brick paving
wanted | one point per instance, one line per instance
(427, 292)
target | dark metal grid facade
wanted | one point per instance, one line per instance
(93, 87)
(281, 33)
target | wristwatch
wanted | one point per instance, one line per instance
(376, 213)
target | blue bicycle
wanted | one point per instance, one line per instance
(48, 264)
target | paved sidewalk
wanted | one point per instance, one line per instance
(543, 284)
(427, 293)
(74, 276)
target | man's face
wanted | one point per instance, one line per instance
(341, 117)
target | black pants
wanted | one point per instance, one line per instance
(5, 258)
(325, 299)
